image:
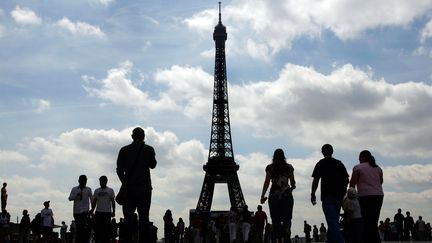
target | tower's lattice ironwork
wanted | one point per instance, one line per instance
(221, 167)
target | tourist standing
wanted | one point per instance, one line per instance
(168, 226)
(104, 203)
(63, 231)
(245, 223)
(81, 195)
(399, 219)
(232, 224)
(24, 227)
(260, 222)
(281, 201)
(420, 228)
(47, 216)
(181, 230)
(368, 177)
(133, 168)
(334, 181)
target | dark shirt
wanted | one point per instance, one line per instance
(246, 216)
(140, 176)
(25, 221)
(334, 177)
(399, 219)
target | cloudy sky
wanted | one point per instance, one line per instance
(77, 76)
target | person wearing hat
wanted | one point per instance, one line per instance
(47, 216)
(133, 168)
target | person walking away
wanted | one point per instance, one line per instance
(307, 230)
(315, 233)
(81, 196)
(4, 197)
(24, 227)
(63, 231)
(334, 181)
(353, 219)
(133, 168)
(180, 229)
(421, 228)
(368, 177)
(104, 203)
(399, 219)
(260, 222)
(408, 226)
(323, 233)
(47, 216)
(232, 224)
(281, 201)
(245, 222)
(168, 226)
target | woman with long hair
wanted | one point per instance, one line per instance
(281, 176)
(368, 177)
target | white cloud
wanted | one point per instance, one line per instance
(41, 105)
(80, 28)
(276, 24)
(185, 87)
(25, 16)
(106, 2)
(12, 157)
(426, 32)
(347, 107)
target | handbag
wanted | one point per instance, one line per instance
(122, 195)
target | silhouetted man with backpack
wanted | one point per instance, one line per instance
(133, 169)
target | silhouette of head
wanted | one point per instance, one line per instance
(138, 133)
(46, 204)
(408, 213)
(279, 156)
(82, 180)
(25, 212)
(103, 180)
(399, 210)
(4, 184)
(366, 156)
(259, 207)
(327, 150)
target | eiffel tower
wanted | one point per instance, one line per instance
(221, 167)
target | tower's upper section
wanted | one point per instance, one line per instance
(220, 34)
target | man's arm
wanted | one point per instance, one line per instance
(313, 189)
(120, 167)
(93, 204)
(113, 204)
(72, 195)
(152, 159)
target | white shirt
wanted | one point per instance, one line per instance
(47, 217)
(82, 199)
(104, 197)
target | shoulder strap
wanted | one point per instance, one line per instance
(134, 163)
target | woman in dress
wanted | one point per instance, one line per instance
(368, 177)
(281, 176)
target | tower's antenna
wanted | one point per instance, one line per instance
(220, 12)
